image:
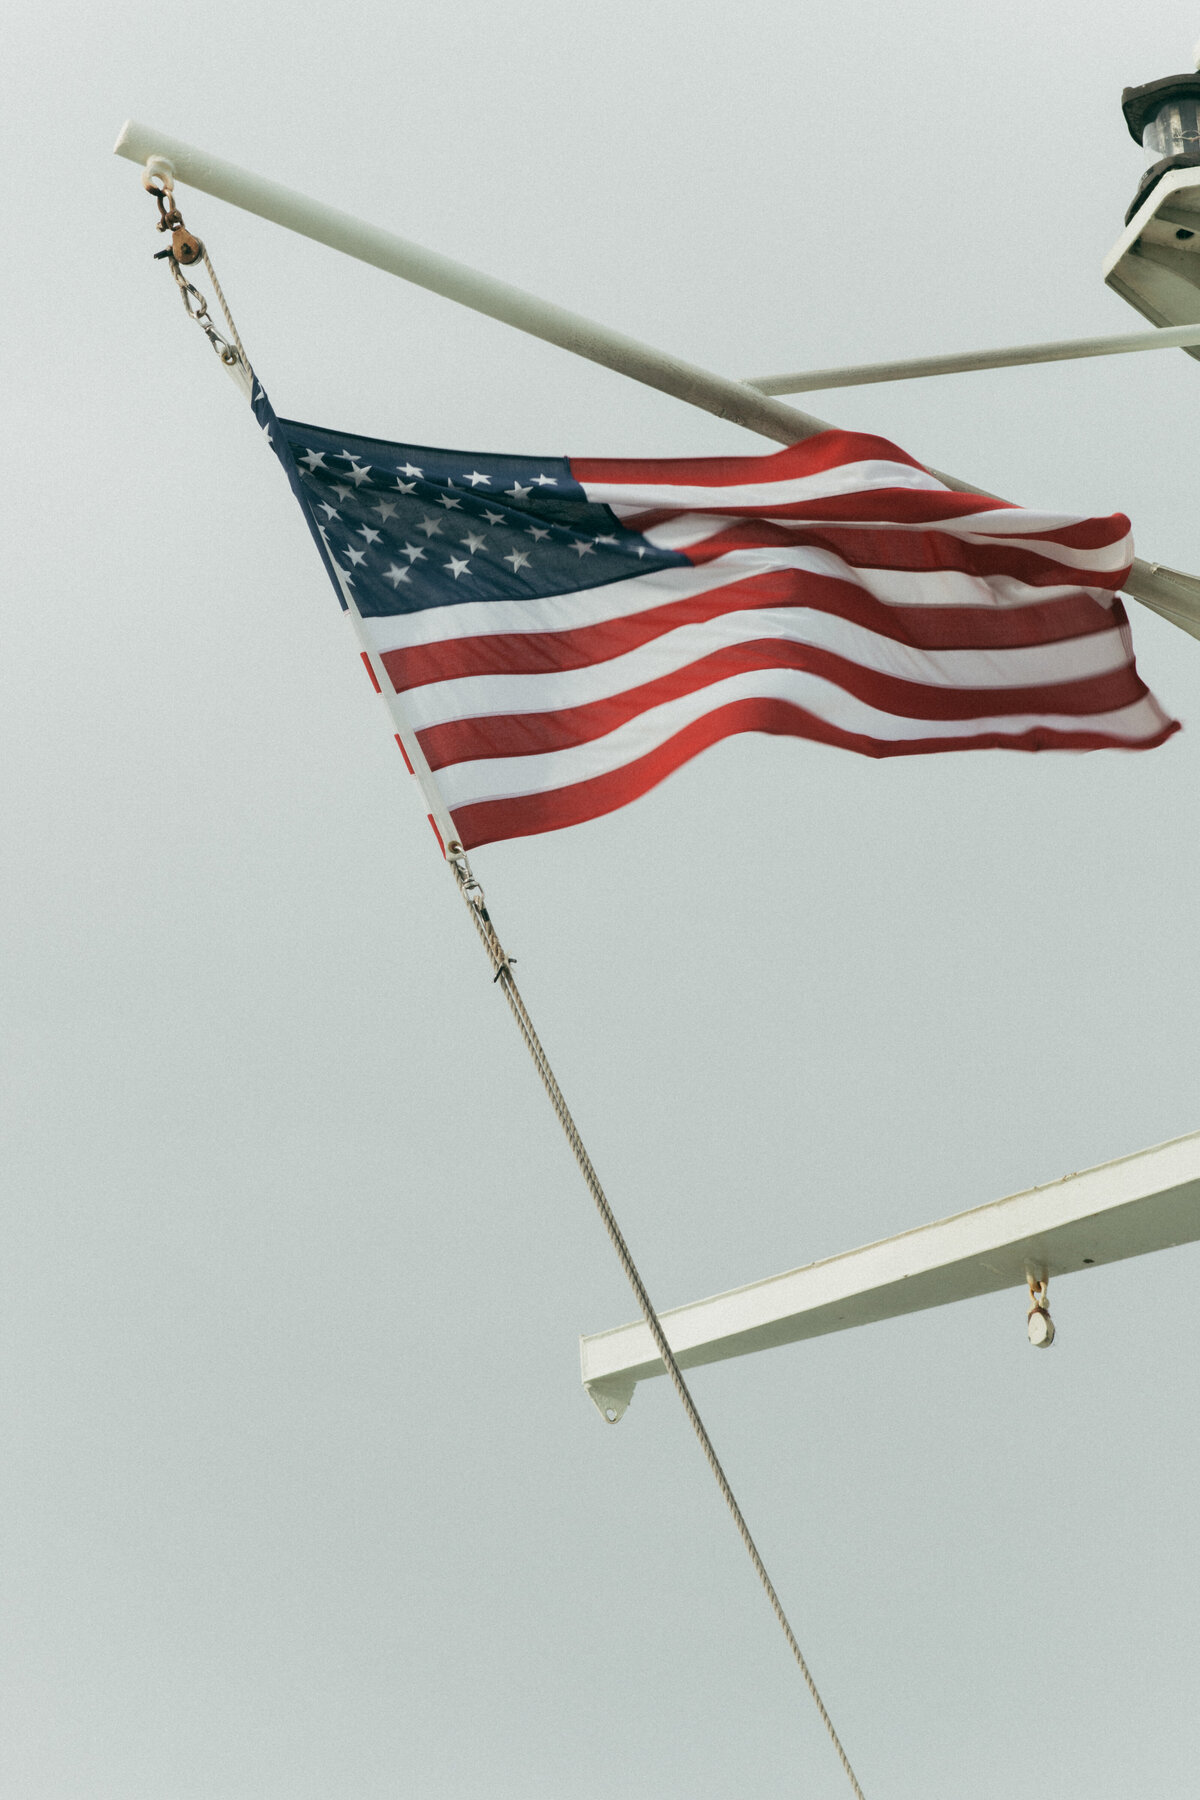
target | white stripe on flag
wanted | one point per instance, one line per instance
(1040, 665)
(845, 478)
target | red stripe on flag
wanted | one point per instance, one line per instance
(925, 552)
(404, 753)
(437, 834)
(487, 821)
(370, 671)
(827, 450)
(1083, 534)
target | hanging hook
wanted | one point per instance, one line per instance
(1039, 1324)
(158, 179)
(160, 169)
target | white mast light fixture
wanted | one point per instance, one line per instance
(1164, 118)
(1155, 264)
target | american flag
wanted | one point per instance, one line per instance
(555, 635)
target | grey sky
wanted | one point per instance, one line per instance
(301, 1499)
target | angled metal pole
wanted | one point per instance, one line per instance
(469, 287)
(1166, 591)
(1128, 1207)
(961, 362)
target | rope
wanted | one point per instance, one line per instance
(224, 305)
(472, 893)
(183, 252)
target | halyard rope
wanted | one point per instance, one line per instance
(472, 893)
(233, 330)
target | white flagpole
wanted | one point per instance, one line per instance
(962, 362)
(469, 287)
(1169, 592)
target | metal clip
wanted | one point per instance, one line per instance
(1039, 1324)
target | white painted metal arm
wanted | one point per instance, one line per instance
(1148, 1201)
(1175, 596)
(469, 287)
(1015, 356)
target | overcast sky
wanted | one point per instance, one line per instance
(301, 1497)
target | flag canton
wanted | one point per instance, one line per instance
(410, 528)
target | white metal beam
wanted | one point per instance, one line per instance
(469, 287)
(961, 362)
(1174, 595)
(1148, 1201)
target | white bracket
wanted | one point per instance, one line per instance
(1155, 263)
(1148, 1201)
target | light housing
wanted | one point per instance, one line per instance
(1155, 264)
(1164, 118)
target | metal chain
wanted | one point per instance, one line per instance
(196, 307)
(184, 250)
(472, 893)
